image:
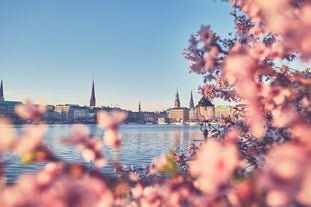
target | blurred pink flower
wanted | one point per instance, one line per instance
(47, 175)
(110, 120)
(7, 135)
(30, 111)
(206, 35)
(284, 115)
(302, 130)
(80, 134)
(158, 164)
(137, 191)
(259, 50)
(286, 170)
(91, 151)
(112, 138)
(89, 147)
(214, 165)
(64, 190)
(238, 67)
(256, 119)
(304, 195)
(30, 139)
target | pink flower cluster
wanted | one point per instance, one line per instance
(110, 121)
(89, 147)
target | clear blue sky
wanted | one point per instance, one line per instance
(52, 49)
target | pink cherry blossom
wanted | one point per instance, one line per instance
(238, 67)
(110, 120)
(80, 134)
(284, 116)
(89, 147)
(30, 111)
(30, 139)
(213, 165)
(112, 138)
(158, 164)
(206, 35)
(7, 136)
(287, 166)
(91, 151)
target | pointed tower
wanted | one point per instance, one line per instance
(92, 101)
(177, 102)
(139, 107)
(1, 92)
(191, 104)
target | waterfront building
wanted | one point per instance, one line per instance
(162, 120)
(65, 113)
(178, 114)
(222, 111)
(149, 117)
(93, 100)
(51, 115)
(70, 113)
(193, 115)
(7, 110)
(141, 116)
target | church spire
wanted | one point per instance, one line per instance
(191, 104)
(92, 101)
(1, 92)
(139, 107)
(177, 102)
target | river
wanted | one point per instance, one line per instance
(141, 143)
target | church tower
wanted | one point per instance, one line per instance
(191, 104)
(139, 107)
(93, 101)
(177, 102)
(1, 92)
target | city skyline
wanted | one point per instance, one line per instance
(92, 102)
(53, 50)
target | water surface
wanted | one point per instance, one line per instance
(141, 143)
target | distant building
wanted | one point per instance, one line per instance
(178, 114)
(93, 100)
(222, 111)
(72, 113)
(7, 110)
(51, 115)
(193, 114)
(141, 116)
(162, 120)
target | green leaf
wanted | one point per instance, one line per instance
(171, 168)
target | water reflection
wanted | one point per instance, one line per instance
(141, 143)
